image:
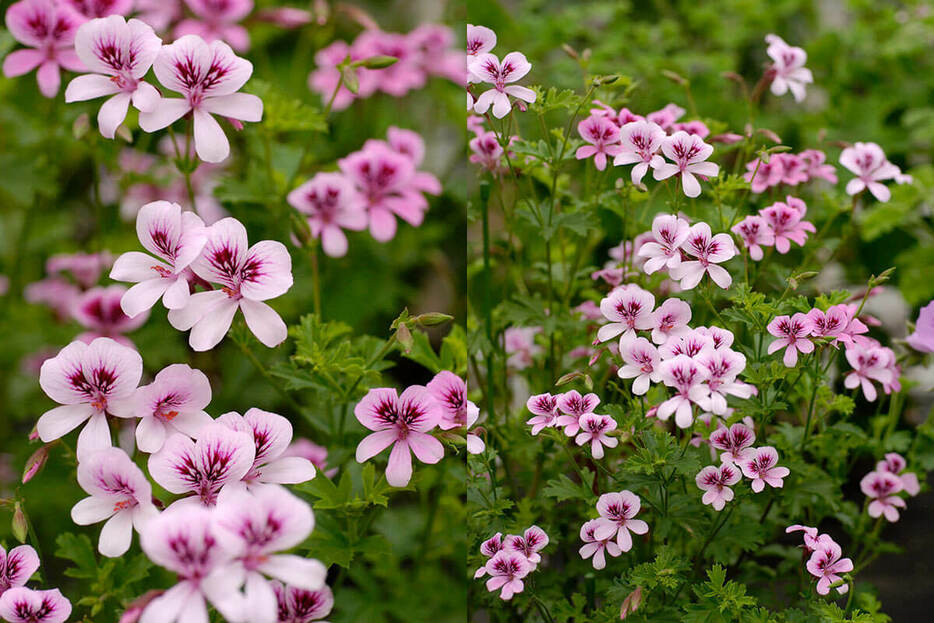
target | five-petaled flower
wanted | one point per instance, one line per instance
(792, 333)
(761, 465)
(827, 563)
(488, 68)
(689, 153)
(881, 487)
(715, 482)
(617, 518)
(867, 161)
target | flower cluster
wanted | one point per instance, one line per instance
(485, 67)
(426, 51)
(789, 169)
(188, 253)
(610, 532)
(688, 252)
(574, 413)
(510, 559)
(825, 561)
(838, 324)
(777, 226)
(882, 485)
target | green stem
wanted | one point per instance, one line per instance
(266, 375)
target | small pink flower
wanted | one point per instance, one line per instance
(829, 324)
(545, 409)
(763, 175)
(617, 518)
(24, 605)
(486, 151)
(99, 311)
(686, 376)
(532, 541)
(218, 21)
(688, 152)
(641, 363)
(755, 233)
(173, 403)
(735, 441)
(867, 161)
(669, 232)
(331, 204)
(297, 605)
(248, 276)
(815, 167)
(723, 366)
(667, 116)
(202, 468)
(597, 548)
(786, 224)
(670, 319)
(895, 463)
(176, 238)
(187, 540)
(721, 338)
(120, 493)
(48, 28)
(628, 308)
(118, 53)
(480, 40)
(641, 141)
(881, 487)
(506, 570)
(788, 68)
(490, 548)
(17, 566)
(792, 333)
(594, 429)
(488, 68)
(869, 364)
(710, 251)
(826, 563)
(572, 407)
(519, 344)
(761, 467)
(716, 482)
(271, 434)
(922, 340)
(402, 422)
(208, 76)
(450, 392)
(89, 381)
(603, 136)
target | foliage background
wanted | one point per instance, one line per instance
(48, 205)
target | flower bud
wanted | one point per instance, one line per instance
(35, 463)
(377, 62)
(19, 525)
(404, 337)
(432, 319)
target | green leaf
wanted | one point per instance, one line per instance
(282, 113)
(77, 549)
(563, 488)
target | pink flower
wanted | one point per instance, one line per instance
(670, 319)
(710, 251)
(48, 28)
(867, 161)
(594, 429)
(811, 540)
(755, 233)
(573, 406)
(450, 392)
(763, 175)
(24, 605)
(248, 276)
(99, 311)
(532, 541)
(735, 441)
(723, 366)
(761, 466)
(488, 68)
(716, 482)
(175, 237)
(829, 324)
(17, 566)
(786, 224)
(788, 68)
(307, 449)
(271, 434)
(217, 20)
(603, 136)
(297, 605)
(597, 548)
(721, 338)
(545, 409)
(255, 527)
(331, 204)
(922, 340)
(406, 73)
(669, 233)
(89, 381)
(325, 78)
(519, 344)
(792, 334)
(881, 487)
(208, 76)
(641, 363)
(815, 168)
(201, 468)
(617, 518)
(402, 422)
(667, 116)
(641, 141)
(869, 364)
(173, 403)
(186, 540)
(692, 343)
(826, 563)
(118, 53)
(119, 492)
(486, 151)
(384, 180)
(506, 570)
(895, 464)
(686, 376)
(480, 40)
(628, 308)
(489, 548)
(689, 153)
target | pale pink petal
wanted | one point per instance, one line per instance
(212, 328)
(375, 443)
(116, 535)
(399, 469)
(60, 421)
(93, 437)
(242, 106)
(305, 573)
(166, 113)
(210, 141)
(90, 86)
(263, 321)
(49, 78)
(425, 447)
(92, 510)
(289, 470)
(21, 62)
(112, 114)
